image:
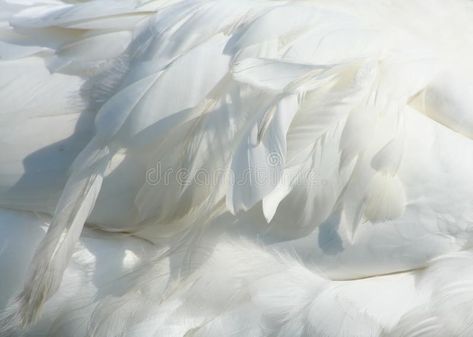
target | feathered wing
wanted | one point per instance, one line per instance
(271, 119)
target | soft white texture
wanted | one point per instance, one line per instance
(279, 168)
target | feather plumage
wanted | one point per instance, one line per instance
(282, 156)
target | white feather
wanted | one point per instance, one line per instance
(354, 115)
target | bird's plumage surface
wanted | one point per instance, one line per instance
(236, 168)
